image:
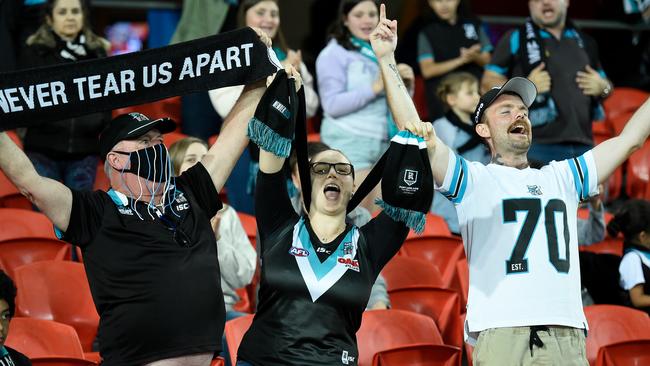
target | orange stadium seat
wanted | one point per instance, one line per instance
(20, 251)
(61, 361)
(619, 122)
(10, 196)
(58, 290)
(419, 98)
(608, 246)
(462, 274)
(418, 355)
(609, 324)
(638, 173)
(631, 353)
(17, 223)
(14, 137)
(218, 362)
(402, 272)
(170, 138)
(441, 305)
(102, 183)
(441, 251)
(234, 331)
(435, 226)
(170, 107)
(313, 137)
(250, 226)
(383, 330)
(623, 100)
(43, 338)
(244, 304)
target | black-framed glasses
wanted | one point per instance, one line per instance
(322, 168)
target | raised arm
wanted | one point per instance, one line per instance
(613, 152)
(51, 197)
(384, 41)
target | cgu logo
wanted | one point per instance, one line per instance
(298, 252)
(352, 264)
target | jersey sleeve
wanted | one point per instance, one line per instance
(384, 236)
(198, 180)
(457, 181)
(85, 217)
(631, 271)
(581, 175)
(273, 209)
(425, 52)
(504, 54)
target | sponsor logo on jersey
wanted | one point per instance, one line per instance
(125, 211)
(323, 250)
(298, 252)
(346, 358)
(349, 263)
(535, 190)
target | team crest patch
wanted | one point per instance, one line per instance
(535, 190)
(410, 176)
(298, 252)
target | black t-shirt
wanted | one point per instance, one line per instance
(156, 298)
(11, 357)
(290, 328)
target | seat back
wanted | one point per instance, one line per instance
(43, 338)
(234, 331)
(638, 173)
(441, 251)
(58, 290)
(387, 329)
(435, 226)
(18, 223)
(623, 100)
(462, 274)
(61, 361)
(10, 196)
(250, 226)
(630, 353)
(441, 305)
(609, 324)
(17, 252)
(418, 355)
(402, 272)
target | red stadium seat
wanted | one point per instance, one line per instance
(17, 223)
(608, 246)
(638, 173)
(383, 330)
(462, 274)
(402, 272)
(441, 305)
(61, 361)
(313, 137)
(609, 324)
(14, 137)
(43, 338)
(212, 139)
(102, 183)
(10, 196)
(419, 98)
(418, 355)
(435, 226)
(170, 107)
(441, 251)
(170, 138)
(623, 100)
(244, 304)
(631, 353)
(17, 252)
(218, 362)
(619, 122)
(234, 331)
(59, 291)
(583, 213)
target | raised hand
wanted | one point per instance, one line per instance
(541, 78)
(384, 38)
(263, 36)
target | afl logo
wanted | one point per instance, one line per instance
(298, 252)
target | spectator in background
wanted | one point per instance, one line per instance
(634, 222)
(358, 217)
(265, 15)
(237, 257)
(356, 118)
(454, 41)
(8, 356)
(458, 92)
(564, 65)
(65, 150)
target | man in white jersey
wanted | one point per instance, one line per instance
(518, 223)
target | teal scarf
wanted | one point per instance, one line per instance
(365, 49)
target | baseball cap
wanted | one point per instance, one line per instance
(128, 127)
(523, 87)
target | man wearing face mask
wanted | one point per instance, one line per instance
(147, 243)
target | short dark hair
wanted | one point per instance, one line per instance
(8, 291)
(313, 148)
(631, 219)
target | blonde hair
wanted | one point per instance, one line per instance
(178, 150)
(452, 83)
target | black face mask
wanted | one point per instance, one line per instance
(151, 163)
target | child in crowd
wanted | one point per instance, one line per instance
(454, 41)
(634, 222)
(8, 356)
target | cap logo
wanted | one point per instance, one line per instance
(478, 112)
(138, 116)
